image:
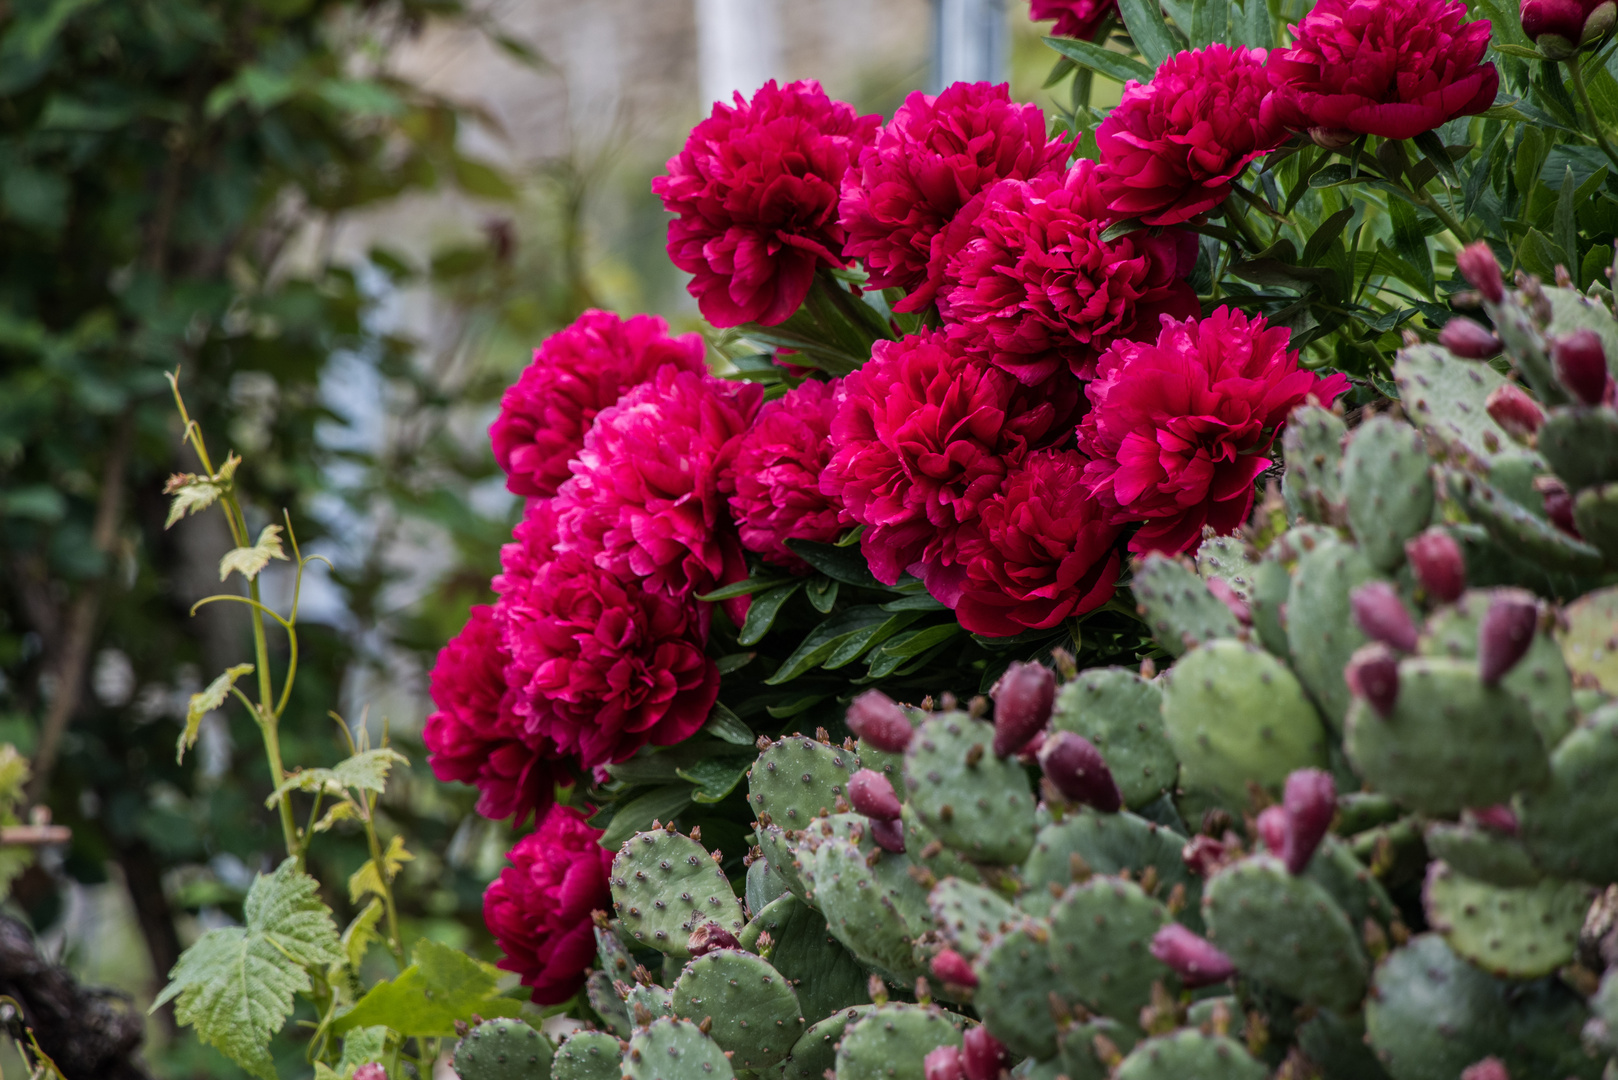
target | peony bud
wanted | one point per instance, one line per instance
(1194, 959)
(952, 967)
(1505, 635)
(1482, 271)
(889, 835)
(1077, 769)
(1203, 855)
(877, 718)
(708, 937)
(1373, 674)
(872, 795)
(1514, 410)
(1559, 505)
(1560, 28)
(1311, 802)
(1227, 596)
(1581, 365)
(1490, 1068)
(943, 1063)
(1438, 564)
(1469, 340)
(1022, 705)
(1272, 828)
(1381, 616)
(1500, 818)
(983, 1056)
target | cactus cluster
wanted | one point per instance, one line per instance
(1364, 826)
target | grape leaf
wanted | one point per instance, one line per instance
(368, 879)
(204, 702)
(443, 985)
(365, 771)
(248, 561)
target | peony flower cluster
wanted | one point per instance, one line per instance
(1081, 19)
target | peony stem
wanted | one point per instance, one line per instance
(1577, 71)
(1425, 198)
(1241, 224)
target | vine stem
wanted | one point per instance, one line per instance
(1576, 69)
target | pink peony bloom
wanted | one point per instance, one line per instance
(1031, 287)
(930, 160)
(1180, 428)
(754, 194)
(475, 735)
(575, 374)
(1172, 147)
(1393, 68)
(1039, 551)
(923, 434)
(774, 479)
(602, 664)
(539, 908)
(1074, 18)
(644, 501)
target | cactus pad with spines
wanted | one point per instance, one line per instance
(969, 916)
(604, 999)
(1231, 559)
(1570, 825)
(1107, 844)
(1321, 632)
(1589, 644)
(797, 779)
(654, 999)
(503, 1050)
(977, 804)
(1482, 854)
(1520, 932)
(588, 1055)
(752, 1008)
(1519, 530)
(1355, 889)
(1016, 980)
(925, 849)
(889, 1042)
(764, 885)
(1122, 714)
(1446, 396)
(673, 1049)
(1272, 584)
(1595, 512)
(875, 908)
(1078, 1047)
(1580, 444)
(826, 976)
(1431, 1013)
(1178, 606)
(1101, 937)
(665, 885)
(1388, 485)
(1187, 1054)
(1313, 481)
(815, 1052)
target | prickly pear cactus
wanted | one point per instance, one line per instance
(503, 1050)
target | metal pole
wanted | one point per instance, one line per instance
(970, 43)
(739, 47)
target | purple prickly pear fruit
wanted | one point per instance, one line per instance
(954, 968)
(872, 795)
(983, 1056)
(1468, 339)
(1194, 959)
(1381, 616)
(877, 718)
(1022, 705)
(1500, 818)
(1373, 674)
(1076, 768)
(1311, 802)
(708, 937)
(1490, 1068)
(1482, 271)
(1581, 365)
(1203, 855)
(1272, 828)
(1559, 505)
(1436, 559)
(1029, 754)
(889, 835)
(1227, 596)
(1510, 407)
(943, 1063)
(1505, 635)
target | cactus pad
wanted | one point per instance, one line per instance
(1445, 397)
(815, 1052)
(969, 916)
(671, 1049)
(1431, 1013)
(1187, 1054)
(1231, 559)
(1101, 937)
(1107, 844)
(1570, 825)
(781, 853)
(1287, 932)
(876, 909)
(753, 1009)
(655, 999)
(604, 999)
(1078, 1050)
(888, 1043)
(925, 849)
(1272, 583)
(1355, 889)
(1595, 512)
(1321, 632)
(503, 1050)
(588, 1055)
(665, 885)
(1520, 531)
(1016, 981)
(1481, 854)
(825, 975)
(764, 885)
(976, 803)
(1589, 638)
(1122, 714)
(1178, 606)
(1387, 480)
(1313, 444)
(1520, 933)
(797, 779)
(1580, 444)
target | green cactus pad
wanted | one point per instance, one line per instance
(503, 1050)
(1287, 932)
(614, 955)
(1187, 1054)
(1272, 584)
(969, 916)
(1519, 933)
(1231, 559)
(1445, 397)
(604, 999)
(797, 779)
(1321, 632)
(1595, 512)
(1355, 889)
(1178, 606)
(753, 1009)
(1570, 825)
(976, 803)
(1078, 1047)
(781, 852)
(1101, 936)
(671, 1049)
(888, 1043)
(656, 1000)
(665, 885)
(877, 910)
(1235, 714)
(1450, 742)
(1580, 444)
(1543, 1037)
(1588, 639)
(1572, 310)
(1122, 714)
(1482, 854)
(764, 885)
(1016, 980)
(1540, 680)
(1519, 530)
(1337, 1043)
(1313, 444)
(1387, 478)
(815, 1052)
(825, 975)
(925, 849)
(1107, 844)
(1431, 1014)
(1034, 1069)
(588, 1055)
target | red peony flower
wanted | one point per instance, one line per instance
(575, 374)
(1171, 148)
(539, 908)
(1040, 550)
(923, 434)
(1180, 428)
(644, 500)
(1030, 285)
(925, 165)
(476, 737)
(754, 194)
(774, 480)
(1074, 18)
(1393, 68)
(601, 664)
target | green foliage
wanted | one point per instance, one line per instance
(442, 985)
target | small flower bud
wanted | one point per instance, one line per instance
(1077, 769)
(708, 937)
(1500, 818)
(1439, 566)
(877, 718)
(1194, 959)
(1373, 674)
(1505, 635)
(1560, 28)
(943, 1063)
(1482, 271)
(1581, 365)
(1514, 410)
(952, 967)
(872, 795)
(1490, 1068)
(983, 1056)
(1271, 825)
(1203, 855)
(1311, 802)
(889, 835)
(1469, 340)
(1226, 595)
(1381, 616)
(1022, 705)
